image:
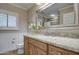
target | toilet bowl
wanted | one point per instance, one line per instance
(20, 48)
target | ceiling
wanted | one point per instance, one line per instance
(25, 6)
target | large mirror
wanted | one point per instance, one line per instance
(58, 14)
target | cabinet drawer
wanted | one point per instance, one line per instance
(38, 44)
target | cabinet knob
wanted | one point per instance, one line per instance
(59, 53)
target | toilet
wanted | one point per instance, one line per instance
(20, 48)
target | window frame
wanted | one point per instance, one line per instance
(10, 13)
(5, 20)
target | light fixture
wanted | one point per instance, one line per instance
(39, 4)
(52, 15)
(44, 6)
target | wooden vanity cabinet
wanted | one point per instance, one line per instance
(36, 47)
(26, 45)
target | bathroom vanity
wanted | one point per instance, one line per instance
(43, 45)
(61, 20)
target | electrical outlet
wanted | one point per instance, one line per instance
(13, 40)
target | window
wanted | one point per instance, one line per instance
(68, 18)
(3, 20)
(8, 19)
(11, 21)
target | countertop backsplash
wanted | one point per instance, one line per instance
(61, 33)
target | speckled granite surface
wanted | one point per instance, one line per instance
(63, 42)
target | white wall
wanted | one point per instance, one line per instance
(6, 37)
(6, 40)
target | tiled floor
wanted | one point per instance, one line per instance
(10, 53)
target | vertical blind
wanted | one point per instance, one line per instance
(3, 20)
(7, 20)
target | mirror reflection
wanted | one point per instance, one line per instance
(57, 14)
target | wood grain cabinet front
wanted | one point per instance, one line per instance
(26, 45)
(36, 47)
(32, 50)
(53, 50)
(36, 51)
(39, 44)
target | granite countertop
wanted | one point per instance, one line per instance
(63, 42)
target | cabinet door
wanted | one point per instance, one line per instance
(36, 51)
(54, 51)
(33, 50)
(38, 44)
(26, 45)
(41, 52)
